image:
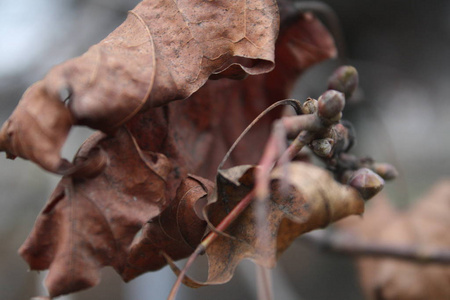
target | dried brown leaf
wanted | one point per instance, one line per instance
(184, 136)
(423, 227)
(199, 131)
(164, 51)
(313, 200)
(37, 129)
(176, 232)
(89, 223)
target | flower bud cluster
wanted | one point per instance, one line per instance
(335, 137)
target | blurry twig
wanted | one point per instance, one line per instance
(345, 243)
(264, 283)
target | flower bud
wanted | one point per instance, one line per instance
(386, 171)
(366, 182)
(310, 106)
(331, 103)
(322, 147)
(345, 79)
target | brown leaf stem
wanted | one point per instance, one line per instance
(303, 139)
(295, 124)
(347, 244)
(243, 204)
(292, 102)
(237, 210)
(264, 283)
(306, 126)
(198, 251)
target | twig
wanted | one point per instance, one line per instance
(240, 207)
(348, 244)
(317, 122)
(264, 283)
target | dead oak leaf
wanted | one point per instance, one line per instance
(164, 51)
(199, 131)
(175, 232)
(313, 200)
(193, 135)
(89, 223)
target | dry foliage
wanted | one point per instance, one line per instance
(164, 51)
(423, 227)
(129, 195)
(312, 199)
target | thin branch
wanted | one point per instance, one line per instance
(264, 283)
(348, 244)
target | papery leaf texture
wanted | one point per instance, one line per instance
(116, 202)
(164, 51)
(90, 222)
(311, 200)
(176, 231)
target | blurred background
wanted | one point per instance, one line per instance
(401, 50)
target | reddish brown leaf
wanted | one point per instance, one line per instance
(90, 222)
(424, 227)
(190, 136)
(164, 51)
(313, 200)
(37, 129)
(176, 231)
(199, 131)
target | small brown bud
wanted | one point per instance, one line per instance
(322, 147)
(310, 106)
(366, 182)
(345, 79)
(331, 103)
(386, 171)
